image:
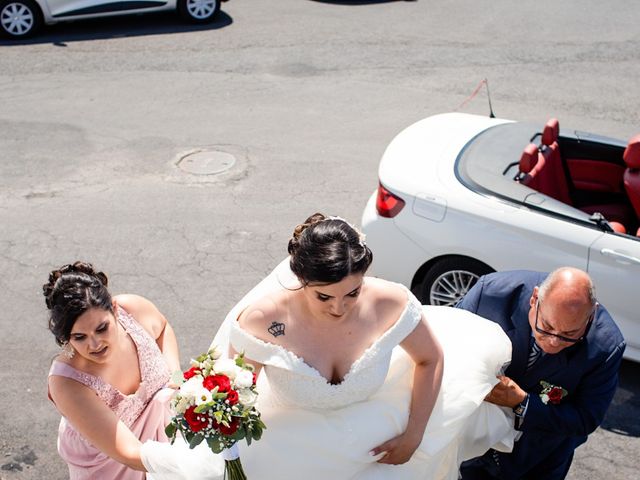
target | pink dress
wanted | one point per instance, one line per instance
(145, 412)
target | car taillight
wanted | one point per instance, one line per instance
(388, 205)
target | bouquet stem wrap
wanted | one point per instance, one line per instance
(232, 466)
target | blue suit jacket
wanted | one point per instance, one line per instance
(588, 370)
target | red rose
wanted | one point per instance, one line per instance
(220, 381)
(232, 397)
(231, 429)
(196, 421)
(255, 378)
(555, 395)
(192, 372)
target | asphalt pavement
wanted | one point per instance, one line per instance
(297, 100)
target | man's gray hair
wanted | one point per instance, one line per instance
(553, 278)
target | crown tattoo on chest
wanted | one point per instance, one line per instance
(276, 329)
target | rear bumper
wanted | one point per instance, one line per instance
(382, 235)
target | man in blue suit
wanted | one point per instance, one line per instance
(563, 372)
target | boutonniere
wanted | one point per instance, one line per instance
(552, 393)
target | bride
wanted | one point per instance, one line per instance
(358, 380)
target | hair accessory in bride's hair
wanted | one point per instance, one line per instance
(362, 238)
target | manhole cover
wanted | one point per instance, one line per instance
(209, 162)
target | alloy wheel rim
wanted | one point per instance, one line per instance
(451, 286)
(17, 19)
(201, 9)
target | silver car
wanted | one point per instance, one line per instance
(22, 18)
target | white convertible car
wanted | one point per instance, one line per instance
(463, 195)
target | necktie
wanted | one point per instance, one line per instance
(534, 354)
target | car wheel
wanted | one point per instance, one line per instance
(198, 11)
(449, 279)
(19, 18)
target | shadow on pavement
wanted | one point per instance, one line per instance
(160, 23)
(622, 417)
(359, 2)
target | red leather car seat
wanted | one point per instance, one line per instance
(618, 227)
(529, 162)
(553, 180)
(631, 177)
(547, 175)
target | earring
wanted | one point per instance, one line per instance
(68, 351)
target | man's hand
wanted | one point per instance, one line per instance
(506, 393)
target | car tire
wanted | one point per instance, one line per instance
(19, 18)
(198, 11)
(449, 279)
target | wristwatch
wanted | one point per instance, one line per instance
(521, 410)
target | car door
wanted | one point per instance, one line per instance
(76, 8)
(614, 266)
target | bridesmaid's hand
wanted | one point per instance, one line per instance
(398, 450)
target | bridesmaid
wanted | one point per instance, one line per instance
(109, 380)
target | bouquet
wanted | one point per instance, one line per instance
(215, 403)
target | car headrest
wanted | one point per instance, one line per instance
(529, 158)
(632, 153)
(551, 131)
(618, 227)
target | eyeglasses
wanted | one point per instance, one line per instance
(562, 337)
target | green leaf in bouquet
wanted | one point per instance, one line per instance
(218, 416)
(170, 430)
(256, 429)
(201, 357)
(239, 434)
(203, 407)
(240, 360)
(195, 440)
(219, 396)
(256, 433)
(215, 445)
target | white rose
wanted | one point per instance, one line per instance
(191, 387)
(227, 367)
(244, 379)
(247, 397)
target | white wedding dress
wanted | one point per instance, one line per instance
(320, 431)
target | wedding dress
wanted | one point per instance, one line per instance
(319, 431)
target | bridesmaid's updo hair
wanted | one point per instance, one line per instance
(326, 250)
(72, 290)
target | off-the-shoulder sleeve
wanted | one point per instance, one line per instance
(259, 350)
(406, 323)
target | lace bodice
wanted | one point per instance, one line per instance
(295, 383)
(153, 370)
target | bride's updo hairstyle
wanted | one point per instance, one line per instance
(326, 250)
(72, 290)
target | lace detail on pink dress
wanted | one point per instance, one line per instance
(153, 370)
